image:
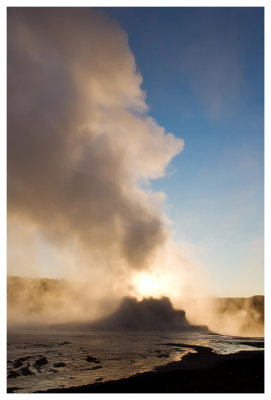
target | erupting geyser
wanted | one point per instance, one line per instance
(147, 314)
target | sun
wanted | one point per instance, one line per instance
(147, 285)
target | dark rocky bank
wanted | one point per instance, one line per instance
(203, 372)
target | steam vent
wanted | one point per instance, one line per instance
(148, 314)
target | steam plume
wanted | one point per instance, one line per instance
(81, 151)
(80, 142)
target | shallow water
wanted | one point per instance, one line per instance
(118, 355)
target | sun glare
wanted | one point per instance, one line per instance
(147, 285)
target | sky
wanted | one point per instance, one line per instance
(203, 72)
(145, 73)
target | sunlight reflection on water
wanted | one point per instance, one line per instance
(118, 355)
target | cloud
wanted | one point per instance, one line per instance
(80, 141)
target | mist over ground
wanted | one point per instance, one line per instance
(50, 301)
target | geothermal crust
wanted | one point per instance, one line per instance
(147, 314)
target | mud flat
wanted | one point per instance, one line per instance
(200, 372)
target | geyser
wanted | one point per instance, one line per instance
(147, 314)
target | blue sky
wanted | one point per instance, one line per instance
(203, 71)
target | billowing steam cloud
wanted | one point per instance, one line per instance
(80, 142)
(81, 151)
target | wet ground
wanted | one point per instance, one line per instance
(38, 361)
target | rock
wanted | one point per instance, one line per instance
(63, 343)
(59, 365)
(12, 389)
(18, 363)
(13, 374)
(92, 359)
(40, 362)
(147, 314)
(162, 355)
(26, 371)
(24, 358)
